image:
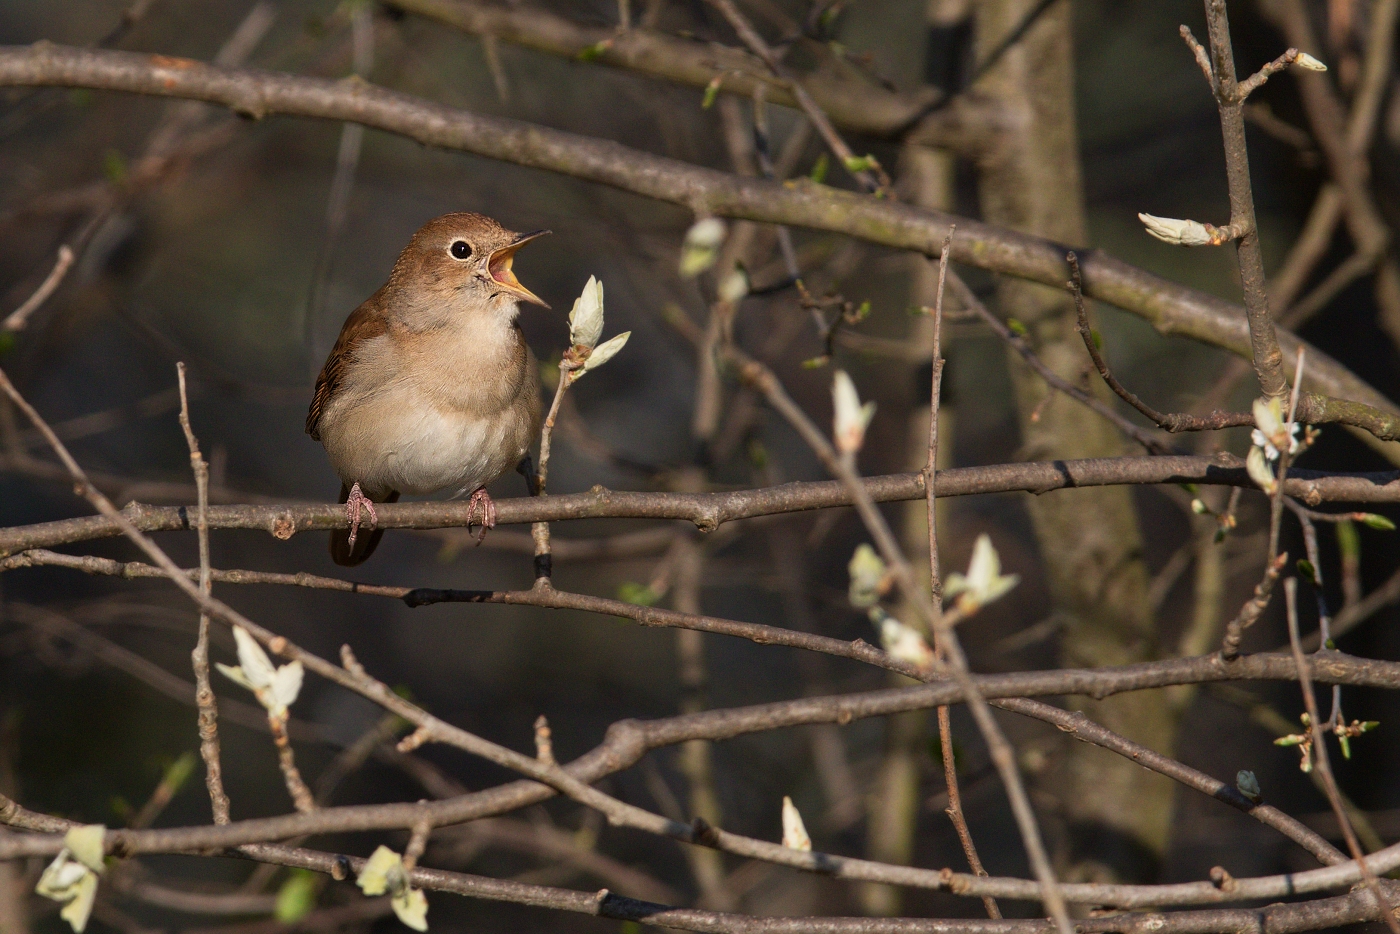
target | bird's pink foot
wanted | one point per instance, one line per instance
(488, 513)
(354, 504)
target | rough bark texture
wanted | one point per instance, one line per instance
(1031, 182)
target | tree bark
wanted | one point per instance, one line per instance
(1090, 541)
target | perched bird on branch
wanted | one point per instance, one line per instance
(430, 385)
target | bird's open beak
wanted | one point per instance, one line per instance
(500, 262)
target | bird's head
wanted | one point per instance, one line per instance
(464, 260)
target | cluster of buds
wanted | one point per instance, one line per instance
(275, 688)
(700, 248)
(72, 876)
(1308, 63)
(902, 642)
(871, 581)
(1345, 733)
(1225, 521)
(1272, 435)
(870, 578)
(383, 872)
(585, 327)
(983, 581)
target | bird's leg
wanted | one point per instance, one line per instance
(354, 503)
(488, 512)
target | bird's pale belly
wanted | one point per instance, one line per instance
(388, 443)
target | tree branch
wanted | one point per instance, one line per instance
(708, 511)
(1171, 308)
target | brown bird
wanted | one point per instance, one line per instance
(430, 385)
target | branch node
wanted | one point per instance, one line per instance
(349, 662)
(702, 833)
(1222, 879)
(415, 739)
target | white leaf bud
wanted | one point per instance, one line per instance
(983, 582)
(1176, 232)
(586, 318)
(852, 418)
(701, 246)
(794, 831)
(1257, 466)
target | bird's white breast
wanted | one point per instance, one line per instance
(432, 415)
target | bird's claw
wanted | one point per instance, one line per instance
(488, 513)
(354, 504)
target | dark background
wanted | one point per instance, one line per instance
(214, 265)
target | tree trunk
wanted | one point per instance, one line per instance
(1090, 543)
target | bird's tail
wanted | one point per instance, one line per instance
(347, 555)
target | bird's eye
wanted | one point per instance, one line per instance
(461, 249)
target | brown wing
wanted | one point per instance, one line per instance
(364, 323)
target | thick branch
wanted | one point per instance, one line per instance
(1171, 308)
(711, 510)
(856, 105)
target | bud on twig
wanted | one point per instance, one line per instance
(852, 418)
(794, 831)
(701, 246)
(1180, 232)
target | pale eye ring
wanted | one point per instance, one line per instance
(461, 249)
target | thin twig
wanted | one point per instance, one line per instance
(347, 160)
(848, 159)
(205, 700)
(1253, 608)
(20, 316)
(1320, 755)
(945, 728)
(539, 531)
(1172, 422)
(1019, 344)
(302, 798)
(762, 379)
(1264, 345)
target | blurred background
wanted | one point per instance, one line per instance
(239, 247)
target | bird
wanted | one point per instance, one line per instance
(430, 385)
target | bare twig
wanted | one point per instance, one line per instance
(1253, 608)
(1321, 757)
(1264, 345)
(342, 183)
(848, 159)
(539, 530)
(203, 691)
(1019, 343)
(1353, 614)
(20, 316)
(945, 729)
(1173, 422)
(302, 797)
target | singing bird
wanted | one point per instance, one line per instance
(430, 385)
